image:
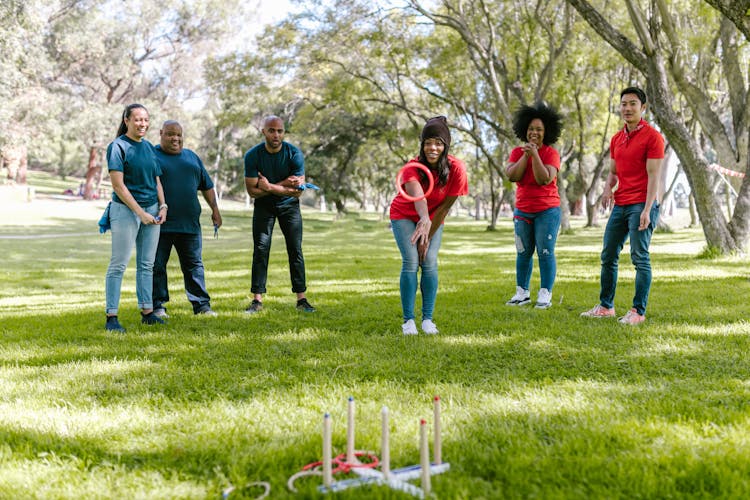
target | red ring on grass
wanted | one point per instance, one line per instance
(345, 466)
(400, 184)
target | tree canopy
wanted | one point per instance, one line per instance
(355, 80)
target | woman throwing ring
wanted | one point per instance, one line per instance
(536, 218)
(418, 225)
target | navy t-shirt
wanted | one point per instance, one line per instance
(275, 167)
(137, 162)
(182, 176)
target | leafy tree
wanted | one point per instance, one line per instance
(667, 46)
(88, 58)
(22, 67)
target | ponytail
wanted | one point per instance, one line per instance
(123, 128)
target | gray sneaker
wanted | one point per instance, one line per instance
(254, 307)
(207, 312)
(161, 313)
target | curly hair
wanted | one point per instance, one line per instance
(550, 118)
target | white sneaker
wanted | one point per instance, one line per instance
(544, 299)
(521, 298)
(161, 313)
(409, 327)
(429, 327)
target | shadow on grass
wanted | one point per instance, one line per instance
(537, 403)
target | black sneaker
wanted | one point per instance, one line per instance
(152, 319)
(304, 305)
(113, 325)
(254, 307)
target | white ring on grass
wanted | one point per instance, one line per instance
(303, 473)
(263, 484)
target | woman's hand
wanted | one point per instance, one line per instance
(422, 250)
(421, 233)
(530, 148)
(147, 218)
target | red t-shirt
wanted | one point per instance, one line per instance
(630, 150)
(457, 185)
(530, 196)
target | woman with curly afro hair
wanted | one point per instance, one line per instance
(533, 166)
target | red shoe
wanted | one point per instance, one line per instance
(632, 318)
(599, 311)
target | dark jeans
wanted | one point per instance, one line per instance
(189, 247)
(290, 221)
(623, 223)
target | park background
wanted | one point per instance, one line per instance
(536, 405)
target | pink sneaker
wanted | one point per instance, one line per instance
(599, 311)
(632, 318)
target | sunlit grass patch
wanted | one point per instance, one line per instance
(536, 403)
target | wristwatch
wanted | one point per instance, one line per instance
(164, 206)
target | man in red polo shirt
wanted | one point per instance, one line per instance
(637, 153)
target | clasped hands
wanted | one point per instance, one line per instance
(530, 148)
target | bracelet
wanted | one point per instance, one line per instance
(164, 206)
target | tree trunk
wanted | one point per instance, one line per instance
(649, 60)
(564, 205)
(591, 212)
(340, 207)
(693, 212)
(739, 225)
(23, 166)
(694, 163)
(217, 164)
(93, 174)
(16, 161)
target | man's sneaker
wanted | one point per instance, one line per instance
(207, 312)
(152, 319)
(521, 298)
(429, 327)
(254, 307)
(160, 312)
(632, 318)
(544, 299)
(304, 305)
(113, 325)
(409, 327)
(599, 311)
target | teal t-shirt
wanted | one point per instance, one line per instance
(182, 176)
(137, 162)
(275, 167)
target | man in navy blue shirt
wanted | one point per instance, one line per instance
(274, 172)
(183, 175)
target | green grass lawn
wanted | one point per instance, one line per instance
(536, 404)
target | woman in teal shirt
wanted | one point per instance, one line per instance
(136, 212)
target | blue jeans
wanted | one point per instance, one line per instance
(189, 247)
(126, 231)
(536, 231)
(290, 221)
(402, 231)
(623, 223)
